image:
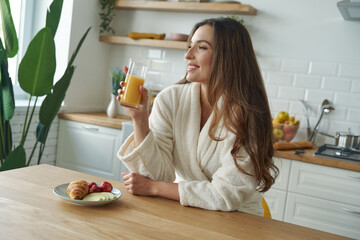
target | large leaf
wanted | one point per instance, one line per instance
(16, 159)
(42, 132)
(11, 41)
(78, 47)
(3, 54)
(52, 102)
(6, 142)
(37, 68)
(7, 101)
(7, 93)
(53, 15)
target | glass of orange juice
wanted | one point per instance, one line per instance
(135, 78)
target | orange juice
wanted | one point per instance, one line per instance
(132, 96)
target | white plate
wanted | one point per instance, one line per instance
(60, 191)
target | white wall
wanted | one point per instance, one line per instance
(305, 50)
(89, 89)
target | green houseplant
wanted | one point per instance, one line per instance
(117, 76)
(106, 15)
(35, 74)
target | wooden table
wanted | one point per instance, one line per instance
(30, 210)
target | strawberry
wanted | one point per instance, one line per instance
(106, 187)
(94, 188)
(91, 184)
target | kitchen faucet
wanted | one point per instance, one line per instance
(326, 108)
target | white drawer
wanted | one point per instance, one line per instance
(90, 128)
(276, 200)
(281, 182)
(323, 215)
(323, 182)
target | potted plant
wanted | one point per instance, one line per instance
(106, 16)
(35, 74)
(116, 76)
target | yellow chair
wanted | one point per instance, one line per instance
(266, 208)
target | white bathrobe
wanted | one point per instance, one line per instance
(208, 176)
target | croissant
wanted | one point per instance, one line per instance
(77, 189)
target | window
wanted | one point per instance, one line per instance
(29, 17)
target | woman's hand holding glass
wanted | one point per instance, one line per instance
(141, 112)
(138, 115)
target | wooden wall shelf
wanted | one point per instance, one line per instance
(192, 7)
(144, 42)
(197, 7)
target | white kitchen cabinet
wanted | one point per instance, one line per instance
(324, 182)
(316, 196)
(276, 196)
(276, 200)
(324, 198)
(90, 149)
(325, 215)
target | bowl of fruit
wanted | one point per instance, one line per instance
(285, 127)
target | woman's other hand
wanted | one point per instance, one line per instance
(138, 185)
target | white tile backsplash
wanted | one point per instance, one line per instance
(348, 99)
(355, 86)
(337, 84)
(340, 113)
(271, 90)
(295, 66)
(323, 68)
(349, 70)
(287, 81)
(354, 114)
(266, 63)
(280, 78)
(314, 81)
(317, 96)
(291, 93)
(153, 53)
(308, 81)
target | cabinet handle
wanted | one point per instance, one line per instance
(91, 128)
(350, 211)
(354, 177)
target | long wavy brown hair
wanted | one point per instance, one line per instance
(236, 79)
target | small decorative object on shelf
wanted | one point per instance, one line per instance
(106, 16)
(117, 76)
(237, 18)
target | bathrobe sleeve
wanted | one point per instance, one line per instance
(153, 157)
(228, 190)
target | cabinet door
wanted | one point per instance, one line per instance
(323, 182)
(88, 148)
(276, 200)
(281, 182)
(323, 215)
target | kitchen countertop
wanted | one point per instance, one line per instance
(30, 210)
(97, 118)
(100, 118)
(308, 156)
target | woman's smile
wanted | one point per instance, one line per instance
(192, 67)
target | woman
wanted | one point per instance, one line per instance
(214, 130)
